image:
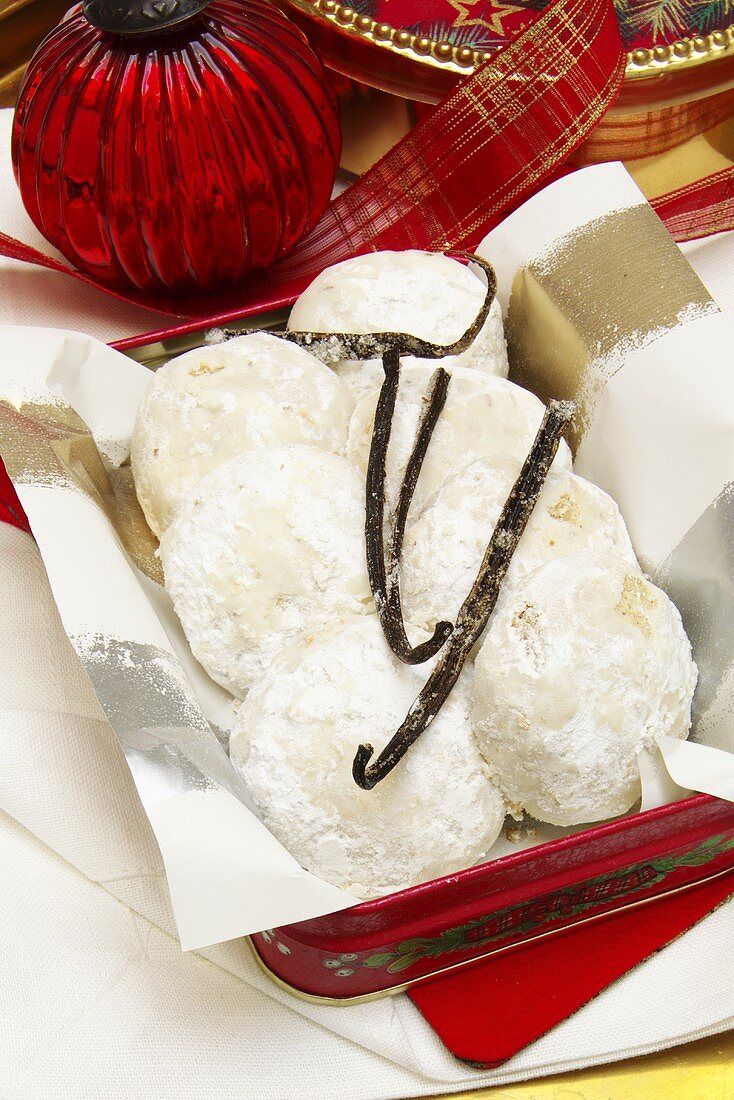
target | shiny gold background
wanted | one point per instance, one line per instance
(696, 1071)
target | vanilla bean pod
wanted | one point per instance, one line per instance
(479, 604)
(374, 527)
(382, 573)
(333, 347)
(392, 619)
(434, 401)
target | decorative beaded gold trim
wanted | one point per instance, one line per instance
(438, 54)
(462, 59)
(685, 53)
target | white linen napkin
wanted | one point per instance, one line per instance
(98, 999)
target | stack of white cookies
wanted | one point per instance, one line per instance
(249, 459)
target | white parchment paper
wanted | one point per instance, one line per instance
(658, 435)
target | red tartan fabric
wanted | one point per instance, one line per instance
(698, 210)
(495, 139)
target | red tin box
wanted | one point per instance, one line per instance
(386, 945)
(396, 942)
(423, 49)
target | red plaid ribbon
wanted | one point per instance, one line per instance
(699, 209)
(500, 135)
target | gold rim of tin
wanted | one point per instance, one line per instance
(363, 998)
(683, 54)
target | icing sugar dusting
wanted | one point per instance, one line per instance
(425, 294)
(266, 548)
(583, 665)
(294, 740)
(206, 406)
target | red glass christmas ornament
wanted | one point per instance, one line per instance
(175, 157)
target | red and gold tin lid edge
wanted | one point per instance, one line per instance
(389, 991)
(518, 876)
(642, 62)
(685, 53)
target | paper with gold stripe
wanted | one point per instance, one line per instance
(601, 305)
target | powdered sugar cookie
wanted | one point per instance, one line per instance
(584, 666)
(294, 740)
(208, 405)
(425, 294)
(444, 547)
(265, 549)
(484, 416)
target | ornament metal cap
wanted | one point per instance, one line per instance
(140, 16)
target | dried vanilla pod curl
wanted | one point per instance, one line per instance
(411, 290)
(293, 741)
(484, 417)
(330, 347)
(479, 604)
(446, 541)
(392, 614)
